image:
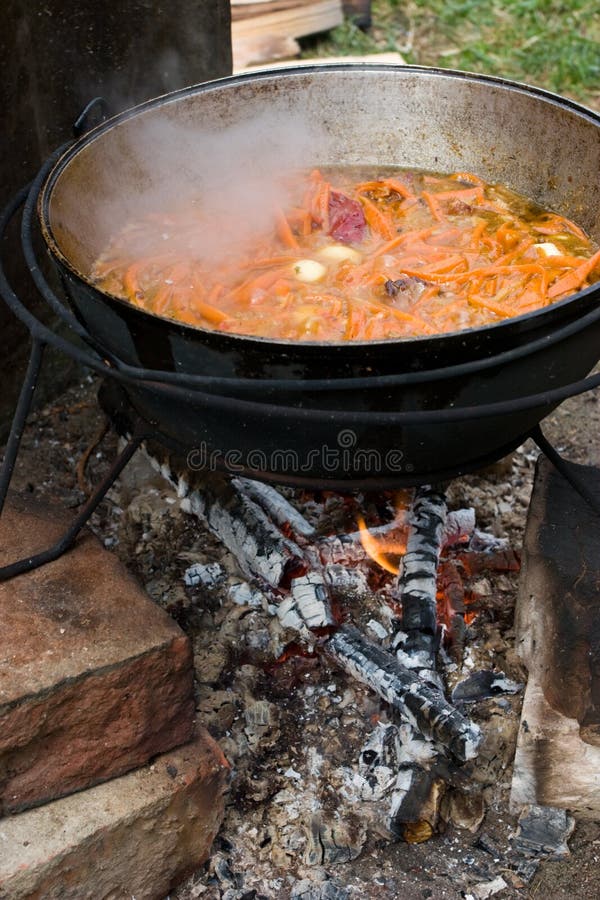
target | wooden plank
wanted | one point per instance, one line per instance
(284, 62)
(558, 638)
(262, 49)
(248, 8)
(293, 21)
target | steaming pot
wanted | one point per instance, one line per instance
(377, 413)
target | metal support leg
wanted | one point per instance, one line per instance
(32, 562)
(20, 417)
(566, 469)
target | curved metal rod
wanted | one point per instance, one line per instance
(28, 563)
(19, 419)
(566, 468)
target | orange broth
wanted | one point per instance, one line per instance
(356, 256)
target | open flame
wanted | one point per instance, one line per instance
(389, 540)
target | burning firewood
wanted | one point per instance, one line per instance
(307, 607)
(275, 505)
(416, 641)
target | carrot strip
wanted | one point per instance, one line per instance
(399, 188)
(209, 312)
(389, 183)
(376, 220)
(434, 206)
(447, 265)
(397, 313)
(131, 283)
(475, 193)
(492, 307)
(215, 292)
(284, 232)
(561, 224)
(268, 261)
(573, 280)
(321, 205)
(401, 238)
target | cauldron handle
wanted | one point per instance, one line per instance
(98, 108)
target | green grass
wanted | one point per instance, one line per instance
(553, 44)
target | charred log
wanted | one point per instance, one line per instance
(418, 640)
(423, 706)
(260, 549)
(307, 607)
(275, 505)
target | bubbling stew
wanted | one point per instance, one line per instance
(355, 256)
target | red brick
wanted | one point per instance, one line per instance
(136, 836)
(95, 678)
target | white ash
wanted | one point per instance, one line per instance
(346, 580)
(290, 617)
(459, 526)
(487, 889)
(482, 540)
(311, 599)
(206, 574)
(378, 630)
(244, 594)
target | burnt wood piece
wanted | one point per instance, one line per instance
(415, 806)
(544, 831)
(276, 506)
(417, 642)
(260, 549)
(476, 562)
(307, 606)
(459, 527)
(558, 614)
(482, 685)
(402, 688)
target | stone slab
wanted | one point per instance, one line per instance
(135, 836)
(95, 678)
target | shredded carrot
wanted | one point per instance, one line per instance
(573, 280)
(413, 255)
(377, 220)
(284, 232)
(434, 206)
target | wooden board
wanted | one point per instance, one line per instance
(558, 638)
(390, 58)
(287, 18)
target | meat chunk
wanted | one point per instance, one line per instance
(346, 219)
(408, 288)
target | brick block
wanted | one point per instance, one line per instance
(135, 836)
(95, 679)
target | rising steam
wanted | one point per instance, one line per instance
(235, 174)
